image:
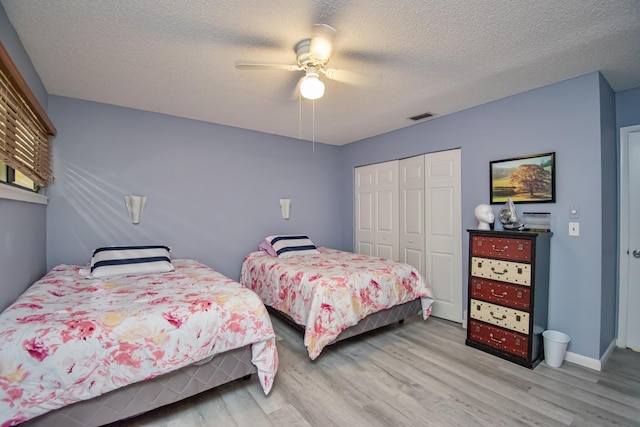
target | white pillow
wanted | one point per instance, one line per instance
(125, 260)
(292, 245)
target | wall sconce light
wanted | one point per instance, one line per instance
(135, 207)
(285, 207)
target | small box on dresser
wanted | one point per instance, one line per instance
(508, 293)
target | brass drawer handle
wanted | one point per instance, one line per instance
(497, 341)
(505, 271)
(504, 316)
(504, 294)
(504, 248)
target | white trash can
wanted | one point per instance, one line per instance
(555, 346)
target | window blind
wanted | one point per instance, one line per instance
(25, 129)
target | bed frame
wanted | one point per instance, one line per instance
(144, 396)
(373, 321)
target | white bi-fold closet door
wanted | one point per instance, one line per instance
(431, 226)
(415, 204)
(376, 210)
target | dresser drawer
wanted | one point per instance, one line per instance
(500, 339)
(511, 295)
(499, 247)
(504, 271)
(498, 315)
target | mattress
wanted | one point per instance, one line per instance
(333, 290)
(69, 338)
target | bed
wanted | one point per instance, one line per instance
(333, 294)
(78, 350)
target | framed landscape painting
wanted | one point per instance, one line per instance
(527, 179)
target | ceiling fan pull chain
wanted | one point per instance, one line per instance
(299, 116)
(313, 124)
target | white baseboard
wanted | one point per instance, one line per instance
(607, 353)
(588, 362)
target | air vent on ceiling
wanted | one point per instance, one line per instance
(421, 116)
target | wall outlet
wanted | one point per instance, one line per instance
(574, 229)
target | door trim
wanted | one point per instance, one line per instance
(623, 221)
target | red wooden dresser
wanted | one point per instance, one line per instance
(508, 294)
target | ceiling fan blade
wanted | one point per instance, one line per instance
(286, 67)
(321, 43)
(352, 77)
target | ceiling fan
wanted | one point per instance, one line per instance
(312, 57)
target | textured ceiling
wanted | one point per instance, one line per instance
(441, 56)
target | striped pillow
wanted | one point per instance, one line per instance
(125, 260)
(292, 245)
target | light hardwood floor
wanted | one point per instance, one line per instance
(416, 374)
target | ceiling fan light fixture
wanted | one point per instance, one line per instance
(311, 87)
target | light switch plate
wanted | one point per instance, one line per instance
(574, 229)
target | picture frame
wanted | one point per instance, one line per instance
(526, 179)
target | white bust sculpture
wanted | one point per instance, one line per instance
(484, 214)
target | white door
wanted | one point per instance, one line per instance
(443, 228)
(376, 210)
(364, 210)
(387, 206)
(411, 180)
(633, 282)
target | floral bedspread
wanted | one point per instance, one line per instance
(331, 291)
(68, 338)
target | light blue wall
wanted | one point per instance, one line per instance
(565, 118)
(628, 108)
(213, 191)
(22, 225)
(22, 247)
(609, 196)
